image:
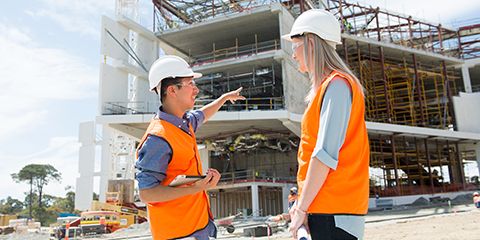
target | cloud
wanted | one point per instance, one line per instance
(15, 34)
(75, 16)
(61, 153)
(31, 75)
(430, 11)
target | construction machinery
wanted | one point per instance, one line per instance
(119, 199)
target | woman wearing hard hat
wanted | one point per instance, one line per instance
(334, 152)
(169, 148)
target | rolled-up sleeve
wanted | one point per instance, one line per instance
(334, 117)
(196, 118)
(153, 159)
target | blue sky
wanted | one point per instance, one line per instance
(49, 66)
(49, 76)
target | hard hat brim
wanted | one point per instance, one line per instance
(197, 75)
(194, 75)
(287, 37)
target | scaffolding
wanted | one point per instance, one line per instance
(171, 14)
(355, 19)
(364, 21)
(406, 165)
(469, 39)
(262, 87)
(387, 26)
(401, 90)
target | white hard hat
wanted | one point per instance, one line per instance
(169, 66)
(475, 194)
(293, 189)
(318, 22)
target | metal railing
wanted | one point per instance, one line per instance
(270, 103)
(253, 175)
(250, 104)
(235, 52)
(417, 190)
(475, 88)
(129, 108)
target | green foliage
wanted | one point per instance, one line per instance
(66, 204)
(48, 213)
(95, 196)
(45, 216)
(10, 206)
(38, 175)
(48, 207)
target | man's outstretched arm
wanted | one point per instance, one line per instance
(210, 109)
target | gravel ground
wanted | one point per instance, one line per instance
(461, 223)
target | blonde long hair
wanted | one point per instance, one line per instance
(324, 59)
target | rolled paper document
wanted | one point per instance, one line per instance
(302, 233)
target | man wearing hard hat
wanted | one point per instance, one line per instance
(476, 199)
(169, 149)
(292, 197)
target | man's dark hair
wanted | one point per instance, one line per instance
(165, 83)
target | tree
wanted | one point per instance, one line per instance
(10, 206)
(38, 175)
(95, 196)
(66, 204)
(70, 198)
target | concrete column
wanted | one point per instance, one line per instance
(86, 166)
(466, 79)
(204, 157)
(255, 203)
(106, 164)
(477, 151)
(285, 193)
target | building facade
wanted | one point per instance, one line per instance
(421, 82)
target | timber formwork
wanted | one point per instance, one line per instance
(228, 202)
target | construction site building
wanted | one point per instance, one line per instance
(421, 80)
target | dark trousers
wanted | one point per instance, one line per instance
(322, 227)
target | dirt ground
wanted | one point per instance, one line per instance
(464, 225)
(451, 226)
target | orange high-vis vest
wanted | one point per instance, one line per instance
(185, 215)
(346, 189)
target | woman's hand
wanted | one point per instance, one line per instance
(298, 218)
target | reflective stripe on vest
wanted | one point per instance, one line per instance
(182, 216)
(346, 189)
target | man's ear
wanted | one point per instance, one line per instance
(171, 90)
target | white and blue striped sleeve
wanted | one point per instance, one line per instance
(334, 117)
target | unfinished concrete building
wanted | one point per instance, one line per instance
(420, 80)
